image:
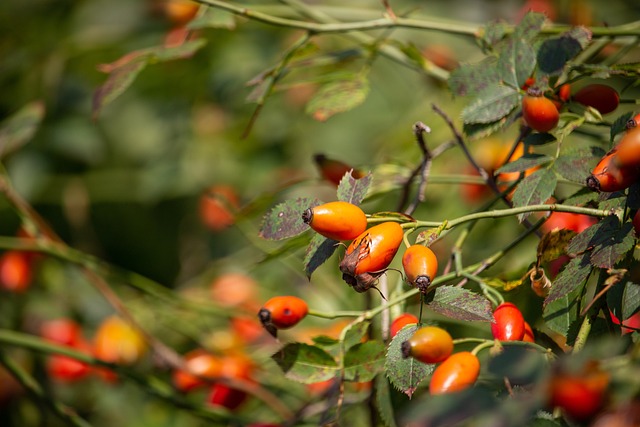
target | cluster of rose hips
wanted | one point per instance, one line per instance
(542, 114)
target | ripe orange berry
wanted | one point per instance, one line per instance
(15, 271)
(568, 221)
(564, 92)
(66, 369)
(509, 323)
(607, 176)
(370, 254)
(217, 207)
(400, 322)
(628, 149)
(429, 344)
(336, 220)
(603, 98)
(539, 112)
(420, 265)
(232, 367)
(460, 371)
(180, 11)
(118, 342)
(282, 312)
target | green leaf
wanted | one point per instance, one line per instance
(553, 244)
(570, 279)
(383, 401)
(354, 190)
(305, 363)
(624, 299)
(319, 250)
(519, 364)
(619, 125)
(19, 128)
(539, 139)
(554, 53)
(530, 25)
(405, 374)
(213, 18)
(492, 33)
(493, 104)
(534, 189)
(364, 361)
(338, 97)
(355, 333)
(472, 79)
(559, 314)
(461, 304)
(516, 62)
(183, 51)
(576, 165)
(285, 219)
(525, 162)
(481, 130)
(596, 235)
(614, 249)
(117, 82)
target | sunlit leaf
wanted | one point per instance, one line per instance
(319, 250)
(285, 220)
(530, 25)
(338, 97)
(461, 304)
(364, 361)
(534, 189)
(355, 332)
(560, 314)
(553, 244)
(19, 128)
(405, 374)
(305, 363)
(575, 165)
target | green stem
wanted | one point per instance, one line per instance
(447, 26)
(583, 334)
(65, 413)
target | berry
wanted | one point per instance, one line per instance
(199, 366)
(607, 176)
(61, 331)
(429, 344)
(334, 170)
(628, 149)
(460, 371)
(420, 265)
(118, 342)
(580, 394)
(539, 112)
(603, 98)
(217, 208)
(369, 254)
(400, 322)
(15, 271)
(282, 312)
(336, 220)
(509, 323)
